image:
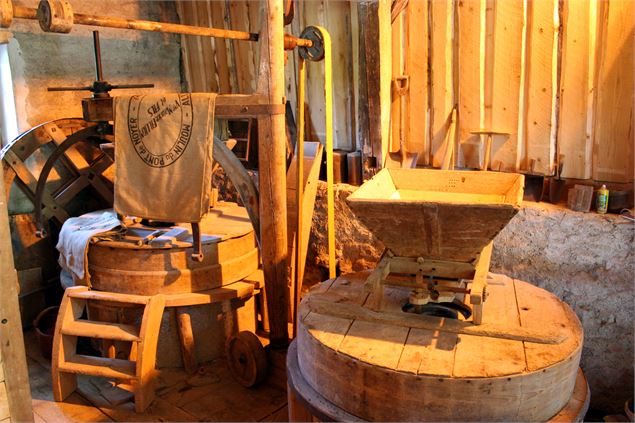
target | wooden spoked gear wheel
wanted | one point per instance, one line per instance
(247, 358)
(83, 166)
(81, 181)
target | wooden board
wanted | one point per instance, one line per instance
(312, 161)
(470, 89)
(573, 140)
(417, 70)
(442, 95)
(540, 84)
(614, 120)
(508, 27)
(435, 375)
(13, 360)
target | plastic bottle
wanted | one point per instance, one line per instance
(602, 200)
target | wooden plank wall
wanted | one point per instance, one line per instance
(555, 75)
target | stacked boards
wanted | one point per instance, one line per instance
(381, 371)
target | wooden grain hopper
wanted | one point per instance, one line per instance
(437, 214)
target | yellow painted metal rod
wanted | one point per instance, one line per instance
(299, 262)
(328, 99)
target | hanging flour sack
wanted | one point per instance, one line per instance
(163, 155)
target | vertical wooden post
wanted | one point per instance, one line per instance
(272, 168)
(11, 339)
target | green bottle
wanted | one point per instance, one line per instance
(602, 200)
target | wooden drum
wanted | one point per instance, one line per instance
(349, 365)
(229, 248)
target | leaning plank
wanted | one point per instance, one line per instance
(11, 338)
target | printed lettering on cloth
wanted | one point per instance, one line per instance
(163, 155)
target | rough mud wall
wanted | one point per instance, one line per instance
(586, 259)
(40, 60)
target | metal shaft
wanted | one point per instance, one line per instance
(98, 71)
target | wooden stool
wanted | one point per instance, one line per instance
(139, 369)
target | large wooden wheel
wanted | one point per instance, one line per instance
(83, 166)
(81, 181)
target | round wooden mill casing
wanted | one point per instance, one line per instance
(380, 371)
(229, 248)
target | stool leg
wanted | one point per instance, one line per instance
(147, 352)
(186, 338)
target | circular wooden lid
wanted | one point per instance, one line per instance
(225, 221)
(420, 366)
(164, 265)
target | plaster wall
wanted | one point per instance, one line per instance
(586, 259)
(39, 60)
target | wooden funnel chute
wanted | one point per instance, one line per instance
(438, 227)
(437, 214)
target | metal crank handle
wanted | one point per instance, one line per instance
(92, 88)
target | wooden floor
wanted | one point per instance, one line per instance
(210, 395)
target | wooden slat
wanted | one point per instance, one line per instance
(573, 140)
(397, 39)
(508, 18)
(220, 48)
(11, 339)
(551, 312)
(101, 330)
(109, 296)
(99, 366)
(417, 69)
(375, 343)
(338, 23)
(204, 15)
(242, 61)
(369, 107)
(503, 356)
(441, 74)
(540, 84)
(614, 122)
(312, 162)
(469, 68)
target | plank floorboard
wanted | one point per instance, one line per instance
(209, 395)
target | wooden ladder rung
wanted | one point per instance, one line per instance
(109, 296)
(113, 368)
(101, 330)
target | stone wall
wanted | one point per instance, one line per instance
(39, 60)
(584, 258)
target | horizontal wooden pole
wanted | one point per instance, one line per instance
(23, 12)
(238, 106)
